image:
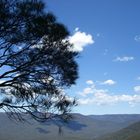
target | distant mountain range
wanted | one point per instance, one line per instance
(92, 127)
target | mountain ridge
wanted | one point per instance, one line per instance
(82, 127)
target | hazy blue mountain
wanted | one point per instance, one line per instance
(80, 128)
(131, 132)
(118, 118)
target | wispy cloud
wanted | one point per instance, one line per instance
(105, 73)
(105, 52)
(107, 99)
(98, 35)
(80, 40)
(138, 78)
(124, 58)
(108, 82)
(137, 38)
(97, 96)
(137, 89)
(91, 89)
(89, 82)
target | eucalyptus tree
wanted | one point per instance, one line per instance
(37, 63)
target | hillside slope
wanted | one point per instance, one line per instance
(131, 132)
(80, 128)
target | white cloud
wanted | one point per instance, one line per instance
(84, 101)
(96, 96)
(80, 40)
(76, 29)
(108, 82)
(124, 58)
(86, 91)
(137, 89)
(107, 99)
(89, 82)
(91, 89)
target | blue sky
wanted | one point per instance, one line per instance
(107, 35)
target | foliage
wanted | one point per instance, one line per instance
(131, 132)
(35, 61)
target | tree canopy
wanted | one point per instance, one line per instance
(36, 61)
